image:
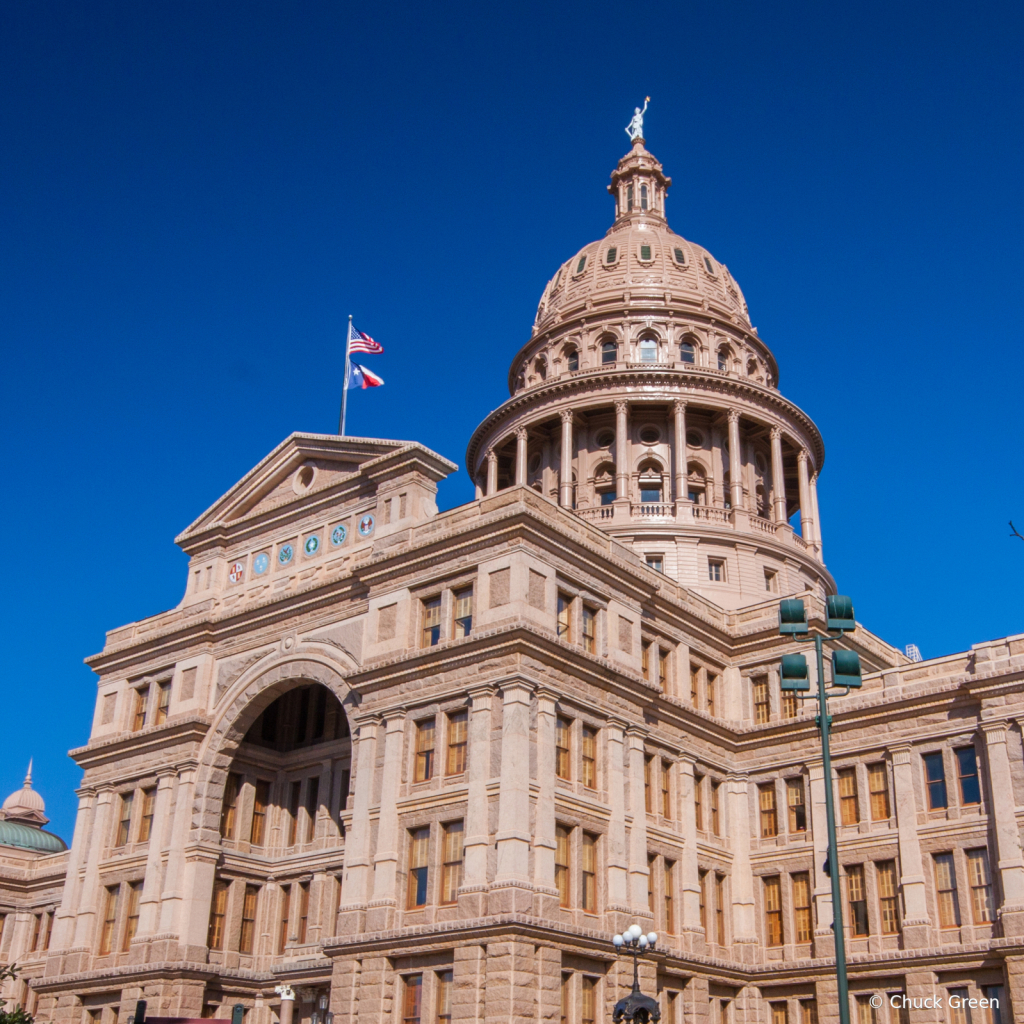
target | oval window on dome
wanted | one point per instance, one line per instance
(645, 253)
(694, 439)
(648, 351)
(581, 266)
(650, 435)
(605, 438)
(680, 256)
(613, 254)
(709, 264)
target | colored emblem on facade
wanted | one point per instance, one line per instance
(312, 545)
(260, 563)
(366, 525)
(338, 535)
(284, 556)
(236, 572)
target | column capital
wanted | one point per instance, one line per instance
(478, 693)
(734, 416)
(901, 753)
(492, 455)
(394, 717)
(635, 733)
(616, 723)
(566, 416)
(995, 732)
(776, 433)
(521, 433)
(545, 694)
(371, 719)
(621, 406)
(165, 776)
(803, 456)
(679, 406)
(516, 691)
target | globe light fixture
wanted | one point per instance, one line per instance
(636, 1008)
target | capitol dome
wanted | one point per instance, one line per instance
(22, 818)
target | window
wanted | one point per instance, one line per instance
(562, 864)
(141, 700)
(702, 878)
(424, 750)
(629, 197)
(849, 810)
(669, 895)
(582, 264)
(663, 668)
(109, 919)
(613, 253)
(419, 840)
(588, 874)
(229, 806)
(958, 1008)
(666, 797)
(607, 497)
(648, 349)
(802, 906)
(680, 256)
(856, 898)
(588, 757)
(967, 765)
(412, 1001)
(651, 859)
(643, 206)
(303, 913)
(769, 817)
(773, 911)
(723, 359)
(694, 684)
(720, 909)
(762, 707)
(648, 795)
(124, 826)
(645, 659)
(790, 705)
(771, 581)
(687, 353)
(132, 917)
(218, 914)
(935, 774)
(698, 803)
(247, 938)
(994, 994)
(885, 876)
(865, 1011)
(709, 265)
(445, 983)
(431, 622)
(656, 562)
(564, 622)
(163, 702)
(945, 891)
(565, 993)
(572, 360)
(714, 808)
(797, 806)
(878, 789)
(458, 722)
(808, 1011)
(981, 886)
(780, 1013)
(293, 812)
(563, 749)
(148, 809)
(709, 693)
(463, 623)
(451, 867)
(589, 630)
(609, 350)
(312, 806)
(261, 798)
(282, 927)
(716, 570)
(588, 999)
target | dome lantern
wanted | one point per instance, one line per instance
(639, 185)
(25, 805)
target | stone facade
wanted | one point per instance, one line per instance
(421, 766)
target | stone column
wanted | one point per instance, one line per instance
(915, 922)
(735, 460)
(638, 870)
(472, 895)
(64, 922)
(813, 490)
(744, 930)
(1004, 813)
(618, 878)
(492, 471)
(356, 885)
(692, 932)
(521, 456)
(479, 489)
(90, 901)
(174, 875)
(149, 904)
(511, 891)
(565, 482)
(622, 450)
(806, 512)
(381, 910)
(544, 821)
(679, 423)
(778, 477)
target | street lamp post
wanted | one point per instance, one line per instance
(636, 1008)
(846, 676)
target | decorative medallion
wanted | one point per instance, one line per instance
(260, 563)
(338, 535)
(366, 525)
(312, 545)
(284, 556)
(236, 572)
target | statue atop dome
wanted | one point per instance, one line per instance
(635, 128)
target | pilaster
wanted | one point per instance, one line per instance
(472, 894)
(546, 898)
(638, 869)
(1003, 813)
(356, 882)
(916, 922)
(381, 910)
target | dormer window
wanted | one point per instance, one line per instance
(710, 266)
(643, 197)
(612, 255)
(581, 266)
(629, 198)
(645, 254)
(680, 257)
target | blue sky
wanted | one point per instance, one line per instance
(194, 196)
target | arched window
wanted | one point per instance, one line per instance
(687, 353)
(541, 369)
(609, 351)
(629, 197)
(648, 351)
(650, 482)
(643, 197)
(723, 358)
(572, 359)
(751, 367)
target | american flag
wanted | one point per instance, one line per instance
(360, 342)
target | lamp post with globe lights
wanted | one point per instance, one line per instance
(636, 1008)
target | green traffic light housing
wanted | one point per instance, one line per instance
(794, 673)
(840, 613)
(792, 617)
(846, 669)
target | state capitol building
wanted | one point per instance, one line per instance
(418, 767)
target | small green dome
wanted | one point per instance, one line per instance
(27, 838)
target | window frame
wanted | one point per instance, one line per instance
(452, 867)
(456, 748)
(462, 624)
(430, 629)
(424, 756)
(418, 868)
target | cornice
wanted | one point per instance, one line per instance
(147, 742)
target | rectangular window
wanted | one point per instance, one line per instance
(945, 891)
(293, 812)
(849, 809)
(37, 925)
(648, 795)
(935, 775)
(261, 799)
(702, 878)
(463, 620)
(229, 807)
(668, 888)
(588, 999)
(651, 859)
(419, 840)
(148, 809)
(666, 796)
(141, 703)
(218, 914)
(981, 886)
(766, 805)
(458, 724)
(802, 906)
(282, 926)
(771, 581)
(797, 806)
(131, 925)
(857, 899)
(808, 1011)
(44, 942)
(865, 1011)
(780, 1013)
(790, 704)
(451, 866)
(710, 692)
(958, 1011)
(124, 825)
(885, 876)
(698, 805)
(714, 808)
(445, 984)
(562, 864)
(431, 622)
(564, 621)
(589, 630)
(694, 684)
(994, 994)
(412, 999)
(110, 901)
(588, 874)
(645, 659)
(716, 570)
(563, 750)
(773, 911)
(303, 928)
(424, 750)
(720, 909)
(878, 788)
(247, 937)
(970, 784)
(566, 994)
(588, 757)
(663, 668)
(163, 702)
(762, 707)
(312, 806)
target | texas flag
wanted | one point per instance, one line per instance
(360, 376)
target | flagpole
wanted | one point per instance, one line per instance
(344, 389)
